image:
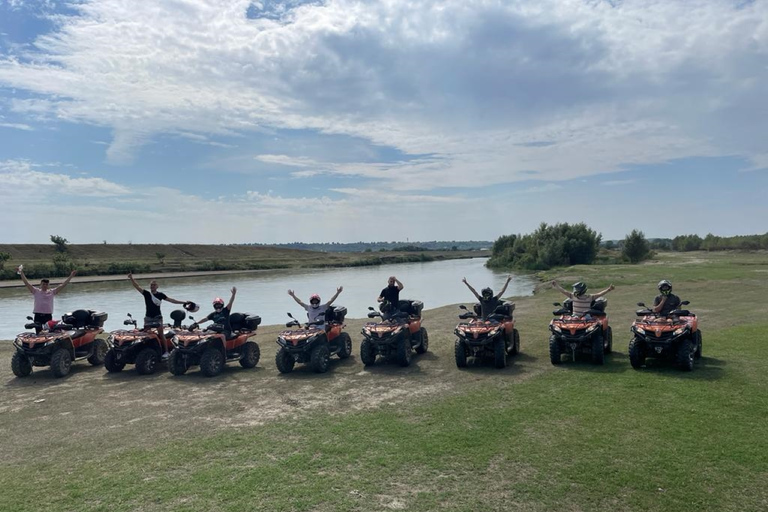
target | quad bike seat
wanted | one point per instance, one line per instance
(177, 316)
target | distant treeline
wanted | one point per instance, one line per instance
(453, 245)
(547, 247)
(685, 243)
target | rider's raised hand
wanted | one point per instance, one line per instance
(464, 280)
(611, 288)
(234, 290)
(72, 274)
(290, 292)
(339, 289)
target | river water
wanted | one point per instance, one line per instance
(264, 293)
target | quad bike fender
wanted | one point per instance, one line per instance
(509, 326)
(86, 338)
(414, 326)
(604, 322)
(217, 342)
(334, 331)
(238, 340)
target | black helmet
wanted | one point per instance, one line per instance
(487, 293)
(579, 289)
(665, 286)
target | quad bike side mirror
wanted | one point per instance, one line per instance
(370, 308)
(462, 306)
(556, 304)
(290, 315)
(30, 318)
(641, 304)
(685, 303)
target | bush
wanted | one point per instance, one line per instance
(635, 247)
(60, 242)
(547, 247)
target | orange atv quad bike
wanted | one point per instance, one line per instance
(211, 348)
(140, 347)
(495, 336)
(588, 333)
(673, 337)
(76, 337)
(397, 334)
(314, 343)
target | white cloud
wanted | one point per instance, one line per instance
(19, 179)
(489, 90)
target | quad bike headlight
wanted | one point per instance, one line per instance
(639, 330)
(557, 328)
(592, 328)
(111, 338)
(679, 331)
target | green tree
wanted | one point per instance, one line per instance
(4, 256)
(60, 242)
(636, 247)
(160, 257)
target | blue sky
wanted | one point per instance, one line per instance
(228, 121)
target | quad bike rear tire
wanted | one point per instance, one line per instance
(367, 353)
(636, 353)
(424, 342)
(20, 364)
(345, 345)
(500, 352)
(146, 361)
(110, 362)
(598, 349)
(284, 361)
(404, 351)
(177, 364)
(697, 339)
(685, 355)
(61, 362)
(608, 341)
(320, 358)
(515, 348)
(554, 351)
(460, 353)
(212, 362)
(99, 352)
(251, 355)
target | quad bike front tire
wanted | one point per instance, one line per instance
(404, 351)
(111, 363)
(177, 364)
(345, 345)
(424, 342)
(61, 362)
(608, 341)
(460, 354)
(636, 353)
(697, 339)
(598, 349)
(685, 355)
(20, 364)
(212, 362)
(284, 361)
(367, 353)
(146, 361)
(554, 351)
(500, 352)
(251, 355)
(320, 358)
(98, 353)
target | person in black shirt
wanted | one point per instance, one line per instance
(667, 302)
(392, 292)
(488, 301)
(220, 314)
(153, 318)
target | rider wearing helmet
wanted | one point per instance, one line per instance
(667, 302)
(488, 301)
(220, 314)
(315, 311)
(582, 301)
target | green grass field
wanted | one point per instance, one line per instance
(530, 437)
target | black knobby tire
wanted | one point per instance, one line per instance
(98, 352)
(61, 362)
(424, 343)
(320, 358)
(404, 350)
(554, 351)
(367, 353)
(460, 353)
(177, 363)
(608, 341)
(251, 355)
(636, 353)
(110, 362)
(598, 352)
(212, 362)
(146, 361)
(500, 352)
(515, 343)
(685, 355)
(697, 339)
(20, 364)
(345, 345)
(284, 361)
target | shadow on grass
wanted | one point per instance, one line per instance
(615, 362)
(42, 375)
(706, 368)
